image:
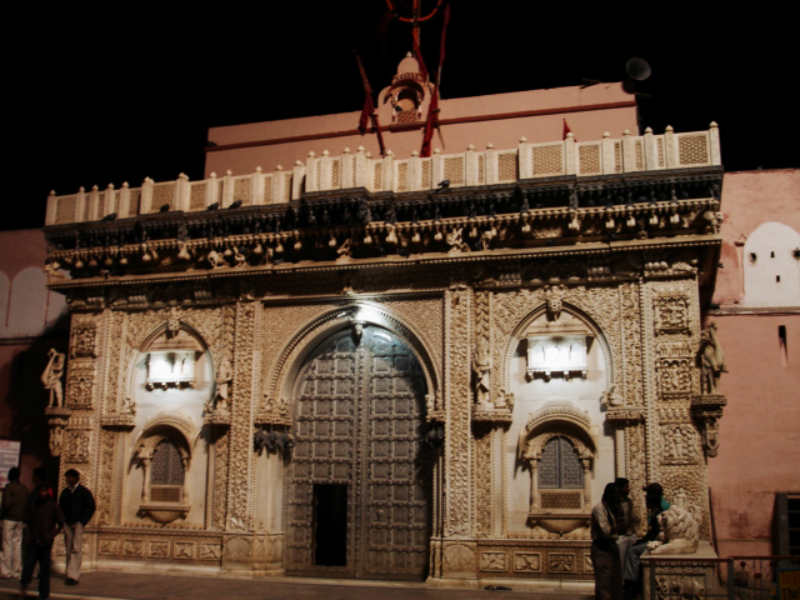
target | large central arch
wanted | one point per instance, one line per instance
(359, 483)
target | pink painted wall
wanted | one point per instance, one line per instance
(586, 123)
(760, 429)
(759, 432)
(750, 198)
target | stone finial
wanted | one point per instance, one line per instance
(489, 145)
(360, 149)
(279, 167)
(110, 186)
(298, 163)
(82, 189)
(606, 134)
(570, 135)
(389, 153)
(213, 174)
(228, 172)
(311, 154)
(125, 184)
(95, 188)
(52, 193)
(713, 125)
(470, 147)
(523, 139)
(258, 169)
(325, 152)
(626, 132)
(669, 129)
(183, 176)
(648, 129)
(437, 151)
(346, 150)
(415, 153)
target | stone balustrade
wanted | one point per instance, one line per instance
(321, 173)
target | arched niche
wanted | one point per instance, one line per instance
(559, 393)
(163, 452)
(772, 266)
(307, 339)
(558, 449)
(172, 371)
(166, 399)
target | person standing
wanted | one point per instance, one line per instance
(632, 569)
(77, 503)
(44, 520)
(627, 522)
(605, 555)
(15, 500)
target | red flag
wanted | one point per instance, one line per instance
(368, 112)
(432, 122)
(566, 130)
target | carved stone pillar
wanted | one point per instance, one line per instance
(459, 559)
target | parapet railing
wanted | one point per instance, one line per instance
(731, 578)
(628, 154)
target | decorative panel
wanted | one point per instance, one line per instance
(454, 170)
(693, 149)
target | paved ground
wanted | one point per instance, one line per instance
(126, 586)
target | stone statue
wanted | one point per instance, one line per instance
(680, 531)
(711, 359)
(223, 380)
(481, 367)
(51, 378)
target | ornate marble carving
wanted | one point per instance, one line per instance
(527, 562)
(241, 418)
(77, 445)
(458, 453)
(706, 411)
(221, 461)
(51, 378)
(80, 384)
(483, 483)
(674, 377)
(671, 313)
(678, 444)
(105, 494)
(710, 359)
(493, 561)
(681, 534)
(459, 558)
(84, 339)
(57, 420)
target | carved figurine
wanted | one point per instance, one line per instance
(680, 532)
(481, 366)
(51, 378)
(455, 241)
(343, 251)
(216, 260)
(711, 359)
(223, 381)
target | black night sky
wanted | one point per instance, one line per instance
(98, 98)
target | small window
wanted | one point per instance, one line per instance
(167, 473)
(560, 467)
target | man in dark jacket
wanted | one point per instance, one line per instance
(44, 520)
(15, 499)
(78, 506)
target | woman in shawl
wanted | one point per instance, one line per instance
(605, 555)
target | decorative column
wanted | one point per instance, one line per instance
(458, 552)
(237, 545)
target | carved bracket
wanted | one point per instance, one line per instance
(706, 411)
(274, 439)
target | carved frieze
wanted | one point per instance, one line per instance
(493, 562)
(678, 444)
(527, 562)
(671, 313)
(80, 384)
(674, 377)
(84, 339)
(77, 446)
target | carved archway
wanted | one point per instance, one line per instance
(278, 383)
(358, 408)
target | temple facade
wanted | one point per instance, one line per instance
(393, 366)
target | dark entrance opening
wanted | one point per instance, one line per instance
(330, 524)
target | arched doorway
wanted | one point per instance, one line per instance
(358, 485)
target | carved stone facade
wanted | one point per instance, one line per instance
(457, 385)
